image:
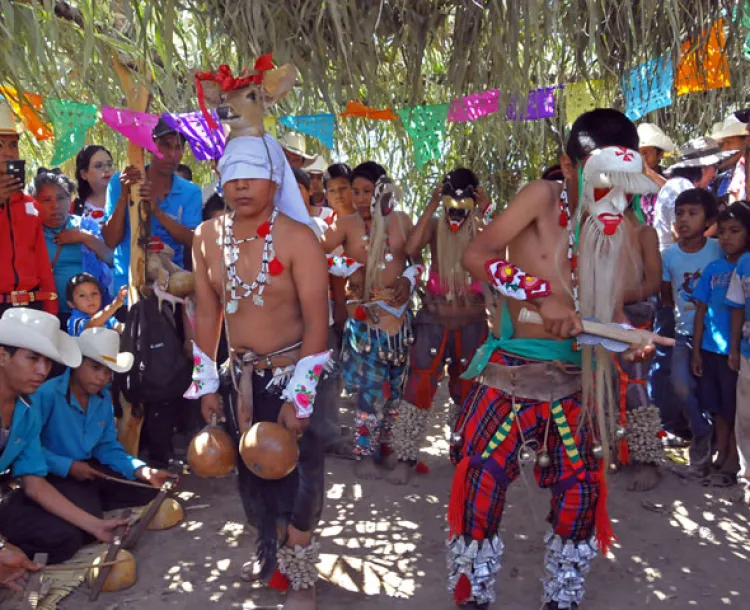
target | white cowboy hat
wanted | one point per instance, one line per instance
(650, 135)
(701, 152)
(295, 143)
(728, 128)
(39, 332)
(103, 346)
(7, 120)
(319, 166)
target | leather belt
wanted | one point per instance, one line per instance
(22, 298)
(541, 381)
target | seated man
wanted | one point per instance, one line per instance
(36, 518)
(79, 437)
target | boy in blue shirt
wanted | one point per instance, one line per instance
(79, 437)
(682, 266)
(738, 298)
(36, 518)
(84, 296)
(717, 383)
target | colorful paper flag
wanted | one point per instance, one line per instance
(70, 121)
(319, 126)
(205, 142)
(135, 126)
(358, 109)
(584, 96)
(269, 124)
(426, 127)
(540, 104)
(474, 106)
(648, 87)
(707, 66)
(27, 107)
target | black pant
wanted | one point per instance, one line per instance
(32, 529)
(295, 499)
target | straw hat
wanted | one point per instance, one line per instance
(103, 346)
(295, 143)
(729, 128)
(319, 166)
(7, 120)
(701, 152)
(39, 332)
(650, 135)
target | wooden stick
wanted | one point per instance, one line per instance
(634, 337)
(112, 550)
(107, 477)
(82, 566)
(137, 531)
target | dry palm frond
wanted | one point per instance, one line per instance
(396, 53)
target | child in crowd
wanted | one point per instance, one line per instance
(84, 297)
(738, 298)
(682, 266)
(717, 383)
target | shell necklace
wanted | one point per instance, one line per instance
(269, 265)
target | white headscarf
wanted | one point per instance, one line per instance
(253, 157)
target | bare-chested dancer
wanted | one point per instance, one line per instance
(452, 323)
(557, 249)
(265, 274)
(376, 335)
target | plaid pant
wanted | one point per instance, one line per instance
(573, 502)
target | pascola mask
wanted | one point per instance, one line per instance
(458, 204)
(607, 180)
(384, 196)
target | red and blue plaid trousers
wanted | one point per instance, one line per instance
(573, 502)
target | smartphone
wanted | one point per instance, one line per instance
(17, 169)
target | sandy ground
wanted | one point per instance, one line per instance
(384, 547)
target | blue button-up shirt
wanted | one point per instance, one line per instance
(23, 451)
(70, 433)
(183, 203)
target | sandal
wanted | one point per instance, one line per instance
(720, 479)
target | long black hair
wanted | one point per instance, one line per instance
(83, 160)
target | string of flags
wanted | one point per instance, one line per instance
(646, 87)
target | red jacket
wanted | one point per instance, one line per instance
(24, 261)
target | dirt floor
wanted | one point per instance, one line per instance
(681, 546)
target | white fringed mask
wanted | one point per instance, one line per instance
(607, 181)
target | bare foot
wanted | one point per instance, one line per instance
(366, 469)
(389, 462)
(401, 474)
(645, 477)
(304, 599)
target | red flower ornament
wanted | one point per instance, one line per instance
(275, 267)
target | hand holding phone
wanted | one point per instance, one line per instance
(12, 178)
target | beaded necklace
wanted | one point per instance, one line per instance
(566, 221)
(239, 289)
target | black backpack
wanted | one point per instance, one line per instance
(161, 372)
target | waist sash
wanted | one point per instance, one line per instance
(540, 381)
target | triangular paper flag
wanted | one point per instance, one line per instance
(28, 106)
(584, 96)
(269, 124)
(70, 121)
(474, 106)
(648, 87)
(319, 126)
(707, 66)
(358, 109)
(540, 104)
(135, 126)
(426, 126)
(205, 142)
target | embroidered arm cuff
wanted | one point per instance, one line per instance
(413, 274)
(205, 375)
(342, 266)
(303, 386)
(515, 283)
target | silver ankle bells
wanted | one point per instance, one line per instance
(565, 567)
(479, 561)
